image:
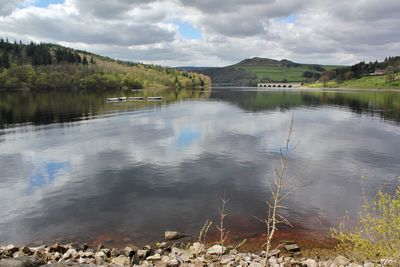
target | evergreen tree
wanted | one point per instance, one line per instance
(84, 61)
(5, 60)
(77, 57)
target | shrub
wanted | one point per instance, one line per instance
(376, 236)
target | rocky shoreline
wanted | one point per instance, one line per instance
(168, 253)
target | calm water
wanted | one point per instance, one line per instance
(74, 167)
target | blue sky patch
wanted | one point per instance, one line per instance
(46, 3)
(188, 31)
(291, 19)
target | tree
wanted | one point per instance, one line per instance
(84, 61)
(390, 74)
(5, 60)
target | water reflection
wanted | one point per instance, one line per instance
(141, 172)
(45, 174)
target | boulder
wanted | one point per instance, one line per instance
(142, 253)
(216, 250)
(57, 248)
(11, 249)
(24, 261)
(121, 260)
(173, 235)
(68, 264)
(173, 263)
(130, 251)
(155, 257)
(197, 248)
(310, 263)
(292, 248)
(25, 250)
(341, 260)
(274, 252)
(115, 252)
(67, 255)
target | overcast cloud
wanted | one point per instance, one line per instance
(210, 32)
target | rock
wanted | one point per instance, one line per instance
(24, 261)
(325, 263)
(57, 248)
(100, 246)
(292, 248)
(173, 263)
(275, 253)
(355, 265)
(368, 264)
(155, 257)
(216, 250)
(129, 251)
(99, 260)
(310, 263)
(115, 252)
(227, 258)
(147, 247)
(25, 250)
(107, 251)
(255, 264)
(88, 254)
(100, 254)
(11, 249)
(121, 260)
(173, 235)
(233, 252)
(160, 264)
(68, 264)
(341, 260)
(142, 254)
(333, 265)
(163, 245)
(197, 248)
(272, 260)
(69, 254)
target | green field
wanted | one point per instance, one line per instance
(294, 74)
(368, 82)
(274, 72)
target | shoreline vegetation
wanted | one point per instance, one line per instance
(34, 67)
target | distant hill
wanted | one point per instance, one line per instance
(249, 72)
(44, 66)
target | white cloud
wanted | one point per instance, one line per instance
(339, 32)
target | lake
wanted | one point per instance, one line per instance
(73, 167)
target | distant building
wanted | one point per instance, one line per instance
(378, 72)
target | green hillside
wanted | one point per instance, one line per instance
(372, 75)
(251, 71)
(53, 67)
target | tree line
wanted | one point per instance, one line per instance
(52, 67)
(388, 67)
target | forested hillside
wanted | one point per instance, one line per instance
(52, 67)
(385, 74)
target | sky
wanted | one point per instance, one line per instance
(211, 32)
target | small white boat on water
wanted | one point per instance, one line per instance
(154, 98)
(135, 98)
(112, 99)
